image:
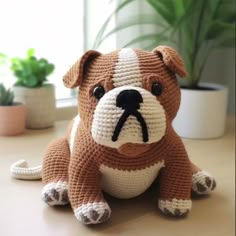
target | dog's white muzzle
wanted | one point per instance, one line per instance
(107, 115)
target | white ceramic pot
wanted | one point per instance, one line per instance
(12, 119)
(40, 103)
(202, 113)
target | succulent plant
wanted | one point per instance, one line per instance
(6, 96)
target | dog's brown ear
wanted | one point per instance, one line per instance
(73, 77)
(171, 59)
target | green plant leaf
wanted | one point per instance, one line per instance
(30, 52)
(49, 69)
(218, 28)
(184, 14)
(139, 20)
(31, 72)
(3, 58)
(32, 81)
(225, 11)
(178, 8)
(155, 38)
(6, 96)
(153, 44)
(164, 8)
(9, 97)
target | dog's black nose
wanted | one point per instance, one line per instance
(129, 100)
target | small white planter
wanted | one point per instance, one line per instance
(202, 113)
(40, 104)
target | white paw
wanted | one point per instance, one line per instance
(203, 183)
(93, 213)
(56, 193)
(175, 207)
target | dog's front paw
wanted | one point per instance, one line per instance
(175, 207)
(203, 183)
(93, 213)
(56, 193)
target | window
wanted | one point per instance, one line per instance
(53, 27)
(59, 30)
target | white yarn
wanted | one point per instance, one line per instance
(127, 70)
(85, 209)
(60, 187)
(200, 177)
(128, 184)
(175, 204)
(73, 132)
(20, 170)
(107, 114)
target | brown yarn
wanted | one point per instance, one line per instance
(81, 166)
(56, 161)
(73, 77)
(172, 60)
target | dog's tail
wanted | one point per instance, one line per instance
(21, 170)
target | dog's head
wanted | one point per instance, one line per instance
(129, 97)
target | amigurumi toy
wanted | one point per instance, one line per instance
(122, 139)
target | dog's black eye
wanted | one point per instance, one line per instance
(157, 89)
(98, 92)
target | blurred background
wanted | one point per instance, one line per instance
(61, 30)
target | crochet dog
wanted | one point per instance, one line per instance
(123, 139)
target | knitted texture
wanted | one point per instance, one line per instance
(72, 77)
(21, 170)
(56, 161)
(55, 193)
(171, 59)
(106, 116)
(203, 183)
(174, 207)
(93, 212)
(128, 183)
(122, 139)
(127, 70)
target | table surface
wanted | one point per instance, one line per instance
(24, 213)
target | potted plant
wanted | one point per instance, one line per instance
(32, 90)
(195, 29)
(12, 115)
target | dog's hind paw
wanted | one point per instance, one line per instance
(203, 183)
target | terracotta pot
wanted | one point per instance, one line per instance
(202, 113)
(12, 119)
(40, 103)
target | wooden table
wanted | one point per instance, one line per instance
(24, 213)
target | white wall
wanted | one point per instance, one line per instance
(95, 15)
(53, 27)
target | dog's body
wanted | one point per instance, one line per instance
(122, 138)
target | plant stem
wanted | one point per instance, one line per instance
(203, 64)
(208, 48)
(196, 43)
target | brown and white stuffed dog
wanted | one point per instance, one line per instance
(122, 139)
